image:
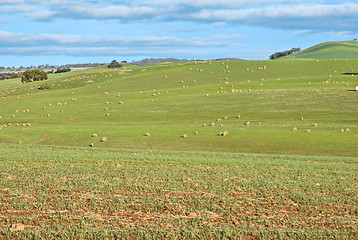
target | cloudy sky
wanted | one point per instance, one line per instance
(34, 32)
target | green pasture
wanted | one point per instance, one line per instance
(83, 193)
(170, 100)
(328, 50)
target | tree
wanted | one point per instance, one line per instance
(115, 64)
(33, 76)
(285, 53)
(61, 70)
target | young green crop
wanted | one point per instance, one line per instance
(64, 192)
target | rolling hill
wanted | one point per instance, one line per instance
(257, 182)
(172, 99)
(328, 50)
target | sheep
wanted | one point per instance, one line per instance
(29, 124)
(224, 133)
(315, 125)
(259, 123)
(147, 134)
(225, 118)
(207, 95)
(221, 125)
(91, 145)
(204, 125)
(248, 123)
(13, 116)
(342, 130)
(308, 130)
(165, 76)
(301, 118)
(185, 136)
(61, 110)
(347, 130)
(120, 102)
(212, 124)
(94, 135)
(106, 103)
(196, 132)
(104, 139)
(107, 115)
(48, 115)
(9, 124)
(218, 120)
(105, 93)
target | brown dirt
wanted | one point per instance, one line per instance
(42, 139)
(72, 119)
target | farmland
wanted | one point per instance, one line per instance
(67, 192)
(286, 169)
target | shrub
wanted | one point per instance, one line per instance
(44, 86)
(33, 76)
(115, 64)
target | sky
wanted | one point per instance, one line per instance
(57, 32)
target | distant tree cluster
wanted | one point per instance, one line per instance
(33, 76)
(10, 75)
(115, 64)
(285, 53)
(62, 70)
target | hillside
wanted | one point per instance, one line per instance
(328, 50)
(173, 99)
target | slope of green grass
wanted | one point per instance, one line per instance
(170, 100)
(81, 193)
(328, 50)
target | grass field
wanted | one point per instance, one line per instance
(77, 193)
(263, 180)
(328, 50)
(171, 100)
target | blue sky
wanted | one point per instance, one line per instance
(35, 32)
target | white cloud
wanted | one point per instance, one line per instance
(48, 41)
(296, 14)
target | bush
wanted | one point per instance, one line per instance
(33, 76)
(44, 86)
(115, 64)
